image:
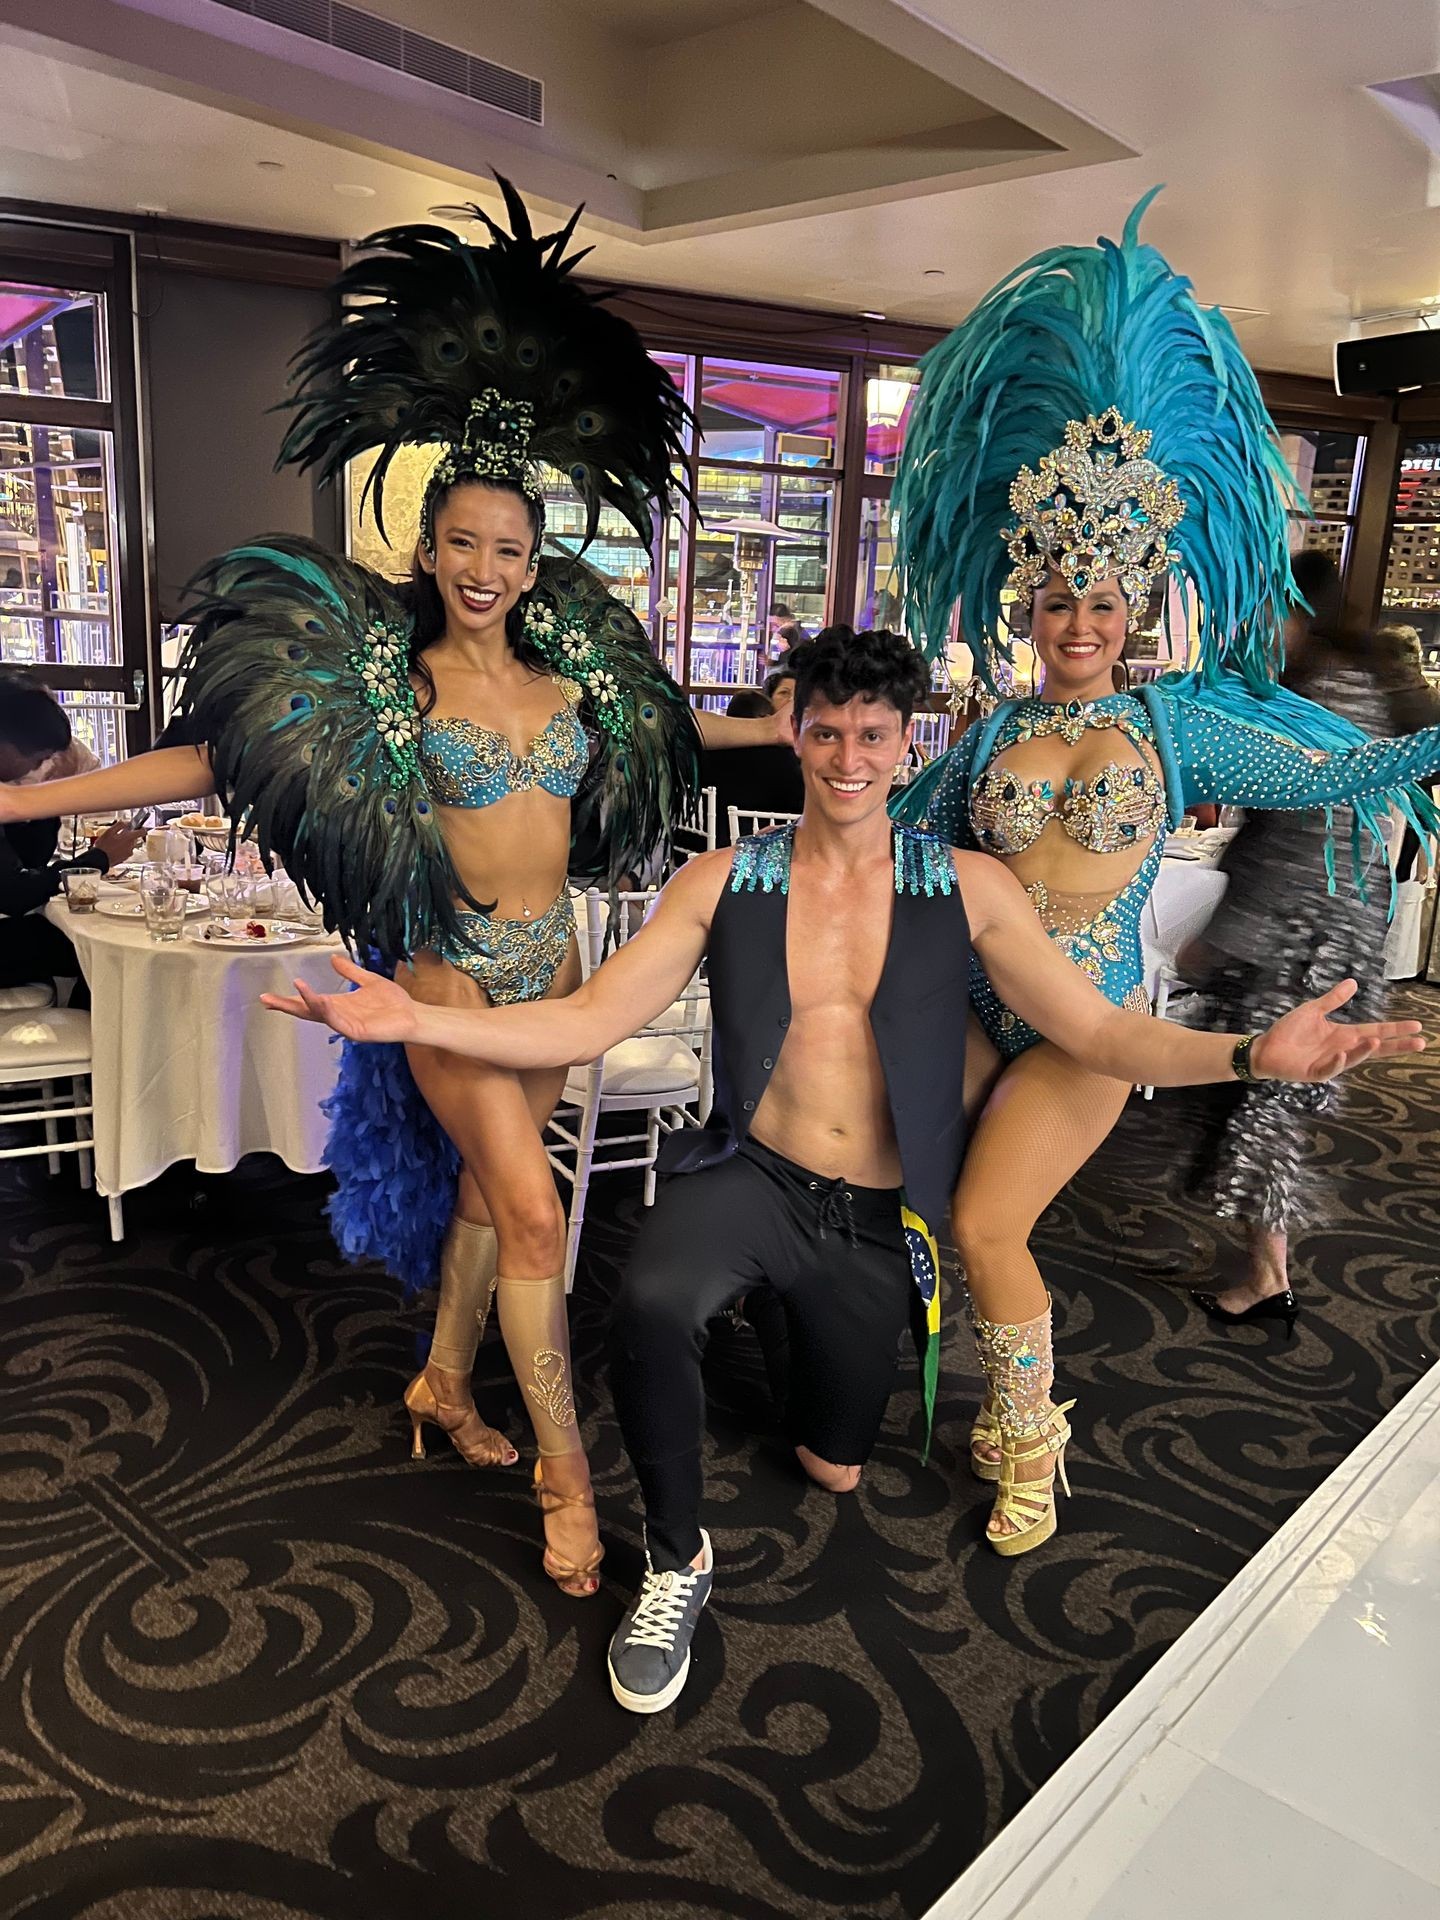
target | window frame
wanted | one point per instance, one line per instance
(125, 679)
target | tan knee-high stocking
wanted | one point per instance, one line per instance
(536, 1327)
(468, 1261)
(1019, 1363)
(467, 1286)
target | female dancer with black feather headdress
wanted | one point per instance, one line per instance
(413, 759)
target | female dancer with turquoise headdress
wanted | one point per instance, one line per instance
(1088, 432)
(421, 759)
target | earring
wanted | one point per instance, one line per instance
(1124, 665)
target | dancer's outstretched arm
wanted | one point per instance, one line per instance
(149, 780)
(635, 984)
(1033, 977)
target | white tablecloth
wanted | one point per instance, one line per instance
(1182, 901)
(187, 1064)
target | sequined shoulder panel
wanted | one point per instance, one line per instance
(761, 863)
(924, 863)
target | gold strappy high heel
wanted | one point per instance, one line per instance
(483, 1447)
(1029, 1505)
(984, 1433)
(565, 1573)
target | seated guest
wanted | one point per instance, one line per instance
(749, 704)
(33, 731)
(763, 779)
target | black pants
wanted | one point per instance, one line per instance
(834, 1254)
(33, 950)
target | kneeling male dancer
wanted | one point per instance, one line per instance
(838, 964)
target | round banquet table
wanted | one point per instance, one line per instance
(186, 1063)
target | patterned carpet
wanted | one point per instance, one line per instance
(254, 1664)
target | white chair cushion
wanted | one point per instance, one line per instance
(643, 1066)
(33, 1044)
(18, 999)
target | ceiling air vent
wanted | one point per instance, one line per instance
(353, 30)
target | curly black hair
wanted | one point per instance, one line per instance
(839, 663)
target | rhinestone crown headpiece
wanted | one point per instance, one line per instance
(494, 446)
(1095, 509)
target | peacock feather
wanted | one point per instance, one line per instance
(1075, 333)
(436, 332)
(646, 770)
(296, 677)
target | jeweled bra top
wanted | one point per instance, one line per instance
(467, 765)
(1123, 805)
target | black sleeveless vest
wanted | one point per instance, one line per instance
(918, 1018)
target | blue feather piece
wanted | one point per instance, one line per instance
(1072, 332)
(394, 1167)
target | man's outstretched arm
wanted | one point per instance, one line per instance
(638, 981)
(1035, 980)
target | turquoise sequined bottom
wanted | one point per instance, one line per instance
(514, 959)
(1106, 949)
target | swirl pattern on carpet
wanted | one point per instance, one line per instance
(254, 1663)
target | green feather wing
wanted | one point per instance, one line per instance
(295, 675)
(646, 772)
(430, 321)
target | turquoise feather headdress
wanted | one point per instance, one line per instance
(1090, 417)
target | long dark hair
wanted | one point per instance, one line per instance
(427, 608)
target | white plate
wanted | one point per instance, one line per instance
(277, 934)
(129, 909)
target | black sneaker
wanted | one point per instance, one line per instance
(650, 1653)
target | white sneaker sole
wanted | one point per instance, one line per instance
(648, 1702)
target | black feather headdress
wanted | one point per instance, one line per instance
(442, 342)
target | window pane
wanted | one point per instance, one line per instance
(681, 369)
(56, 512)
(877, 586)
(52, 342)
(1326, 466)
(806, 508)
(1412, 578)
(1329, 536)
(772, 414)
(616, 553)
(762, 560)
(99, 720)
(889, 397)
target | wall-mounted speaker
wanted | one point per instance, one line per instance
(1388, 363)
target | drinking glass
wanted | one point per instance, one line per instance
(225, 892)
(164, 901)
(82, 888)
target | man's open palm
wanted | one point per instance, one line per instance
(376, 1010)
(1308, 1045)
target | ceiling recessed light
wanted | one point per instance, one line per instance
(351, 190)
(933, 273)
(147, 207)
(868, 313)
(271, 166)
(448, 210)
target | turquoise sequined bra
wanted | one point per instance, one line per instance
(467, 765)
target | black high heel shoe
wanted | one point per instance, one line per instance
(1275, 1306)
